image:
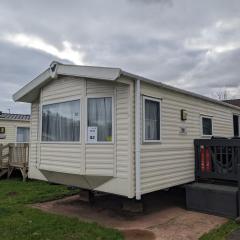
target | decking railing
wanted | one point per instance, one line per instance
(14, 156)
(217, 159)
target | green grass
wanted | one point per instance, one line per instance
(222, 232)
(18, 221)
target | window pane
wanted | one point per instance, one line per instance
(152, 120)
(61, 121)
(207, 126)
(235, 125)
(22, 134)
(100, 116)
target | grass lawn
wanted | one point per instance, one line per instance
(20, 222)
(222, 232)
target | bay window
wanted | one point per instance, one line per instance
(61, 121)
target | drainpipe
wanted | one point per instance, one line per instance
(137, 139)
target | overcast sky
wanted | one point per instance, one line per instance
(193, 45)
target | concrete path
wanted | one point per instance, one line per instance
(164, 216)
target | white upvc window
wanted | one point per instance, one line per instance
(23, 134)
(99, 120)
(61, 121)
(207, 126)
(151, 119)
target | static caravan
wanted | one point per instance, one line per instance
(108, 130)
(14, 128)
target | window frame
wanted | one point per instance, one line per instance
(201, 119)
(57, 102)
(113, 120)
(17, 132)
(238, 115)
(144, 98)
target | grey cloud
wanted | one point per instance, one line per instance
(18, 66)
(220, 72)
(149, 2)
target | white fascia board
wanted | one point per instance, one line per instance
(102, 73)
(30, 91)
(35, 84)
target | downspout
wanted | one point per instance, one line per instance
(137, 138)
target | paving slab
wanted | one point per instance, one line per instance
(164, 217)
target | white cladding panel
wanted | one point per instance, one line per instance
(100, 88)
(55, 157)
(100, 159)
(171, 162)
(123, 148)
(63, 88)
(34, 150)
(34, 122)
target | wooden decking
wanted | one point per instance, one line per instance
(14, 156)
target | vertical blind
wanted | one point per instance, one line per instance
(61, 121)
(152, 120)
(22, 134)
(100, 116)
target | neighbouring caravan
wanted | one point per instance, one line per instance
(14, 128)
(109, 130)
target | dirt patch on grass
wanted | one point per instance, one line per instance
(134, 234)
(12, 194)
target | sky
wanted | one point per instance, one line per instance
(194, 45)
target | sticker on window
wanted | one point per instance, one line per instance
(92, 134)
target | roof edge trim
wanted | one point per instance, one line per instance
(56, 69)
(179, 90)
(36, 82)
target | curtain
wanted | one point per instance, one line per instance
(100, 116)
(61, 121)
(22, 134)
(152, 120)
